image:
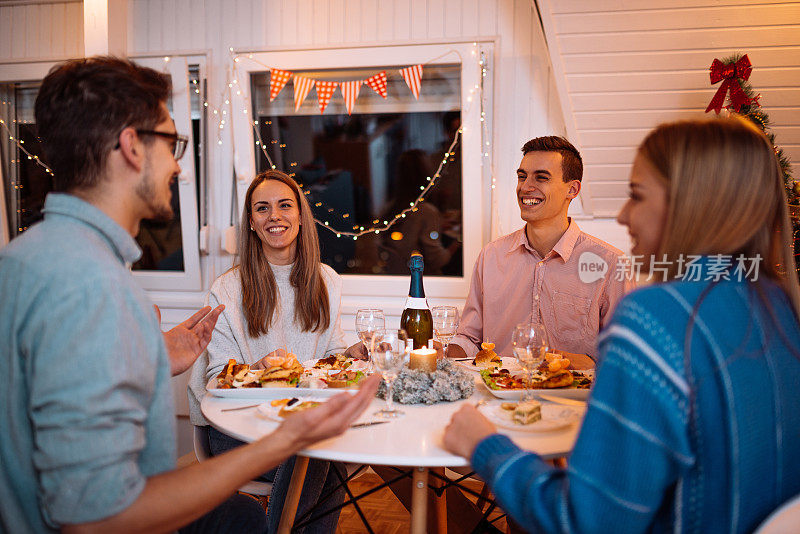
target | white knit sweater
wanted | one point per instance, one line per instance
(231, 340)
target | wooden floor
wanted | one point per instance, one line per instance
(385, 514)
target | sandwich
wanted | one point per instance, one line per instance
(487, 358)
(527, 412)
(285, 375)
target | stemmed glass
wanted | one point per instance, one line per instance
(368, 321)
(445, 323)
(530, 345)
(390, 354)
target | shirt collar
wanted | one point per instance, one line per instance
(65, 205)
(563, 247)
(566, 244)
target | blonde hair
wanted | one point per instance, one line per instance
(726, 196)
(259, 290)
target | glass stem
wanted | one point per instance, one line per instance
(389, 394)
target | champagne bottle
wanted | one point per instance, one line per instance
(416, 319)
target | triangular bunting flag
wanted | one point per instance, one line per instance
(324, 93)
(277, 80)
(413, 78)
(302, 86)
(350, 93)
(378, 83)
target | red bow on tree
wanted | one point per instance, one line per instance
(730, 73)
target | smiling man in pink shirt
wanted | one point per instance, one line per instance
(549, 271)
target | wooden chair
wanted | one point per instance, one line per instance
(784, 520)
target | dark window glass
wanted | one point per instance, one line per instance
(362, 169)
(27, 184)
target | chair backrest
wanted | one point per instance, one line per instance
(202, 449)
(784, 520)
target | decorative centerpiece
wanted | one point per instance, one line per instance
(415, 386)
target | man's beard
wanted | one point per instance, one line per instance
(146, 190)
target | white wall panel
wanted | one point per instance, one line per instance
(629, 66)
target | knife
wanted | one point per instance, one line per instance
(562, 400)
(370, 423)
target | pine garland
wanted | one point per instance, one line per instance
(756, 114)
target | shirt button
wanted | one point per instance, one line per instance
(536, 297)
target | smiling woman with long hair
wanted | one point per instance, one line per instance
(278, 298)
(692, 425)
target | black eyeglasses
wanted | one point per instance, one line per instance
(179, 142)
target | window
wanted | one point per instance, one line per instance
(170, 258)
(362, 169)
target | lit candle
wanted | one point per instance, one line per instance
(423, 359)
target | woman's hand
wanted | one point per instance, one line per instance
(263, 363)
(331, 418)
(467, 428)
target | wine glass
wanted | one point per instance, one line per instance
(390, 354)
(530, 345)
(368, 321)
(445, 323)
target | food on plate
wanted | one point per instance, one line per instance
(553, 373)
(294, 407)
(287, 361)
(527, 412)
(285, 373)
(487, 358)
(344, 379)
(509, 406)
(334, 361)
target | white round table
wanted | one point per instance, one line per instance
(414, 440)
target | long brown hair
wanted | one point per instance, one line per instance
(259, 290)
(726, 196)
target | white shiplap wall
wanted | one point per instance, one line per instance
(522, 77)
(629, 65)
(41, 31)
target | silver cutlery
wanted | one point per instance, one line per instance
(370, 423)
(240, 408)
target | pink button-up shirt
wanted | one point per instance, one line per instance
(513, 284)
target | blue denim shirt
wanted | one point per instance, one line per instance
(87, 410)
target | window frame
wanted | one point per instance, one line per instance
(190, 278)
(475, 215)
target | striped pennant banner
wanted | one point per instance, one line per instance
(277, 80)
(378, 83)
(350, 93)
(324, 93)
(302, 86)
(413, 78)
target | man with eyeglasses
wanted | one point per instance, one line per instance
(88, 423)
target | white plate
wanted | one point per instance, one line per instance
(567, 393)
(554, 417)
(270, 412)
(508, 362)
(266, 393)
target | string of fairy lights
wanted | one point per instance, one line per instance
(222, 116)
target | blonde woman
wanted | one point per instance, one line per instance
(277, 298)
(692, 425)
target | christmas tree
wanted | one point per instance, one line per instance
(734, 73)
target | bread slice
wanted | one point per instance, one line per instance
(527, 412)
(487, 358)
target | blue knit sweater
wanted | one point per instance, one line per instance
(650, 459)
